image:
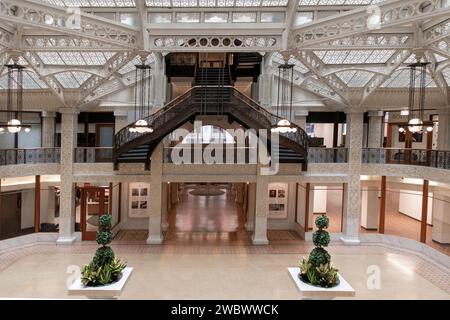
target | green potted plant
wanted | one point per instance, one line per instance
(104, 268)
(318, 270)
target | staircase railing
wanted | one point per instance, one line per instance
(155, 119)
(188, 102)
(262, 114)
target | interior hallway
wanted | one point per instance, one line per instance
(207, 214)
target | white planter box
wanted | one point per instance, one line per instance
(343, 289)
(105, 292)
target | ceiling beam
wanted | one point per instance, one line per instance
(437, 75)
(61, 21)
(361, 21)
(113, 65)
(291, 12)
(36, 64)
(315, 65)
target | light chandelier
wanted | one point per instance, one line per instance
(142, 99)
(415, 114)
(14, 101)
(284, 100)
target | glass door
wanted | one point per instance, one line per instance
(94, 203)
(104, 142)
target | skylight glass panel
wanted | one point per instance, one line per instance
(336, 2)
(298, 66)
(360, 79)
(159, 17)
(303, 18)
(50, 58)
(354, 56)
(216, 17)
(188, 17)
(272, 17)
(130, 66)
(92, 3)
(244, 17)
(75, 58)
(72, 80)
(216, 3)
(401, 79)
(30, 81)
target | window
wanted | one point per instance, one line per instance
(216, 17)
(303, 18)
(130, 19)
(272, 17)
(160, 17)
(189, 17)
(239, 17)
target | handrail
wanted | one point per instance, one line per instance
(419, 157)
(29, 156)
(260, 114)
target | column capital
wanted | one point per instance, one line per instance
(48, 114)
(354, 110)
(69, 111)
(376, 113)
(301, 113)
(120, 113)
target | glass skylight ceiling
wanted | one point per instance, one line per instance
(355, 78)
(278, 58)
(91, 3)
(400, 79)
(30, 81)
(72, 80)
(216, 3)
(75, 58)
(336, 2)
(130, 66)
(354, 56)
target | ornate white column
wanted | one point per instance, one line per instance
(155, 235)
(265, 81)
(69, 128)
(48, 129)
(375, 132)
(159, 82)
(352, 191)
(121, 120)
(261, 209)
(250, 224)
(443, 141)
(165, 206)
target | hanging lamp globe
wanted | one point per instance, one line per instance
(141, 126)
(415, 125)
(284, 126)
(14, 126)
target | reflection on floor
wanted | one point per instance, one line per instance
(398, 224)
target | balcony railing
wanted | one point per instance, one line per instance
(327, 155)
(417, 157)
(29, 156)
(93, 155)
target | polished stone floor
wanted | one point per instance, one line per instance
(207, 255)
(163, 273)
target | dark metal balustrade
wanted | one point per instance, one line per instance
(417, 157)
(203, 100)
(93, 155)
(29, 156)
(327, 155)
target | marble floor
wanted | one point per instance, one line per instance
(162, 273)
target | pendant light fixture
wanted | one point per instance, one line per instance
(14, 100)
(142, 98)
(415, 122)
(284, 99)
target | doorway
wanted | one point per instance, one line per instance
(208, 213)
(95, 201)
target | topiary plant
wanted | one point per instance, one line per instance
(317, 269)
(104, 268)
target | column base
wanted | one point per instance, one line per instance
(260, 241)
(352, 241)
(155, 239)
(66, 240)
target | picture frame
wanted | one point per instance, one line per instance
(139, 199)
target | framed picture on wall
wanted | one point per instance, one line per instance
(278, 200)
(139, 200)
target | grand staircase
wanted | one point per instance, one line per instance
(212, 94)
